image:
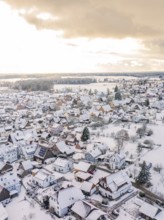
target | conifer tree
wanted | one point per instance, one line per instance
(85, 135)
(118, 96)
(144, 175)
(147, 103)
(116, 89)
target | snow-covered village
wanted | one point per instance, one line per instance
(91, 152)
(81, 110)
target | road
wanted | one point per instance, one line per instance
(119, 204)
(148, 193)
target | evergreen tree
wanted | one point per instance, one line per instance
(144, 175)
(90, 92)
(147, 103)
(74, 102)
(85, 135)
(160, 97)
(118, 96)
(116, 89)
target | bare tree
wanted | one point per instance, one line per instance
(121, 137)
(141, 131)
(158, 168)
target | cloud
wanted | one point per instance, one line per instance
(131, 65)
(96, 18)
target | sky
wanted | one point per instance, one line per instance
(67, 36)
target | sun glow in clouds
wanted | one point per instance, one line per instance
(24, 49)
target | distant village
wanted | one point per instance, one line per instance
(83, 153)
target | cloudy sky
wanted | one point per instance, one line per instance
(39, 36)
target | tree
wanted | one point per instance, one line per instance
(144, 175)
(158, 168)
(149, 132)
(121, 137)
(116, 89)
(74, 102)
(160, 97)
(90, 92)
(147, 103)
(139, 149)
(85, 135)
(141, 131)
(108, 91)
(118, 96)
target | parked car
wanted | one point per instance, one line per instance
(115, 212)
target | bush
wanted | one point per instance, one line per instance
(105, 201)
(150, 143)
(149, 132)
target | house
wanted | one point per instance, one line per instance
(71, 140)
(65, 149)
(5, 167)
(27, 135)
(116, 161)
(43, 152)
(81, 176)
(9, 153)
(25, 168)
(88, 188)
(28, 151)
(3, 213)
(43, 179)
(11, 182)
(84, 167)
(62, 165)
(115, 185)
(93, 155)
(86, 211)
(4, 195)
(150, 212)
(84, 118)
(56, 129)
(62, 200)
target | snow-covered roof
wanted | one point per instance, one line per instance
(83, 175)
(95, 152)
(9, 179)
(81, 208)
(86, 186)
(41, 175)
(65, 148)
(83, 166)
(95, 214)
(68, 196)
(27, 165)
(60, 162)
(149, 210)
(116, 180)
(98, 175)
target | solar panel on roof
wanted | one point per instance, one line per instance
(42, 152)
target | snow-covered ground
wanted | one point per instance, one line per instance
(21, 209)
(101, 87)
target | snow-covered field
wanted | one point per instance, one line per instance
(101, 87)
